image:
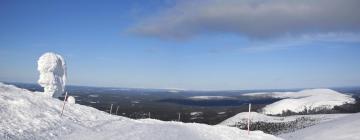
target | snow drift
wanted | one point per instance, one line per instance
(32, 115)
(52, 69)
(311, 99)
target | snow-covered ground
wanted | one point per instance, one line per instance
(258, 117)
(311, 99)
(322, 126)
(303, 127)
(343, 128)
(278, 125)
(33, 115)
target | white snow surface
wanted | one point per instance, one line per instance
(305, 99)
(52, 69)
(33, 115)
(258, 117)
(71, 99)
(343, 128)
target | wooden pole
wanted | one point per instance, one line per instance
(117, 108)
(111, 108)
(248, 123)
(62, 111)
(179, 117)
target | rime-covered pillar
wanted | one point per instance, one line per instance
(52, 69)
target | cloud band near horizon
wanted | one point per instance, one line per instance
(253, 18)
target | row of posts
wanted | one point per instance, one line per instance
(149, 114)
(179, 115)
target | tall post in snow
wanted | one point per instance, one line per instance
(117, 109)
(149, 115)
(179, 117)
(111, 108)
(62, 111)
(248, 122)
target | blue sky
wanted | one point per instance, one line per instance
(171, 44)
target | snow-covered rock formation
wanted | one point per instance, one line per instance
(32, 115)
(52, 69)
(311, 99)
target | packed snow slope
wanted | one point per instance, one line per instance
(311, 99)
(343, 128)
(33, 115)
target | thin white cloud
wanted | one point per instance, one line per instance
(253, 18)
(303, 40)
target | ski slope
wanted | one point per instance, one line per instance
(310, 99)
(33, 115)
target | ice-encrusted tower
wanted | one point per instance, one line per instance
(52, 69)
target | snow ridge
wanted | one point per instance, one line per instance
(310, 99)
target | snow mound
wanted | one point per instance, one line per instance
(52, 70)
(343, 128)
(32, 115)
(71, 99)
(311, 99)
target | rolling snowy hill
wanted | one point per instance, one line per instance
(311, 99)
(302, 127)
(33, 115)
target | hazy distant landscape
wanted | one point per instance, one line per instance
(165, 104)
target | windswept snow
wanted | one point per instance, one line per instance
(342, 128)
(310, 99)
(52, 70)
(210, 97)
(32, 115)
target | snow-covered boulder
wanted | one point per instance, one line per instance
(28, 115)
(71, 99)
(311, 99)
(52, 69)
